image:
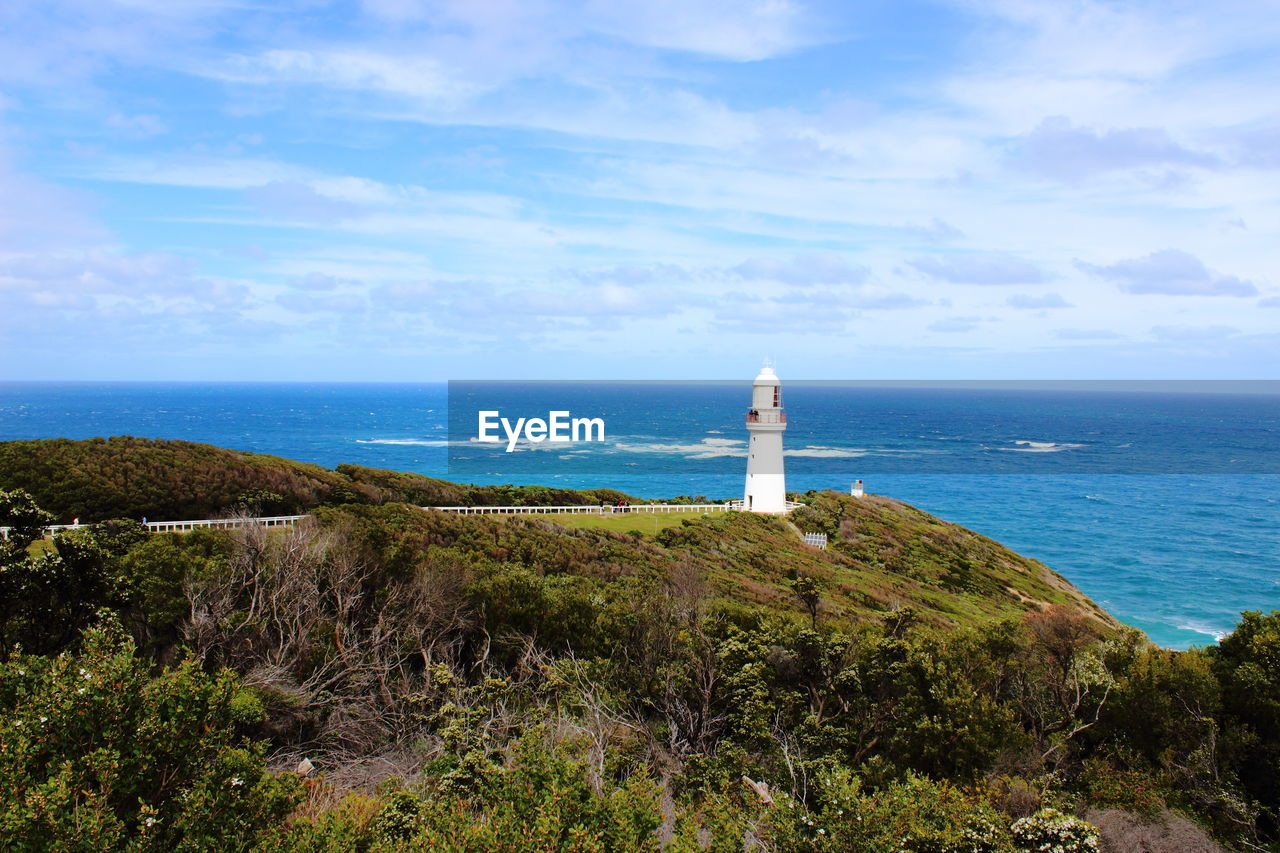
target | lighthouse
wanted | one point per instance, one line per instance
(766, 483)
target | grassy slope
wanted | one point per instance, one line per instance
(647, 523)
(883, 554)
(126, 477)
(953, 569)
(886, 555)
(165, 480)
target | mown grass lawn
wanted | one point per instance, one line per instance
(39, 546)
(625, 522)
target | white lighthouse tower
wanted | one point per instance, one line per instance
(766, 483)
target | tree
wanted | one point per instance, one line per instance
(45, 596)
(809, 590)
(25, 520)
(1065, 685)
(1247, 664)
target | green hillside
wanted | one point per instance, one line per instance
(955, 577)
(884, 554)
(167, 480)
(528, 683)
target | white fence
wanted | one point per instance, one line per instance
(289, 520)
(817, 540)
(592, 509)
(184, 526)
(228, 523)
(739, 505)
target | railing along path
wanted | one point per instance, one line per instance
(289, 520)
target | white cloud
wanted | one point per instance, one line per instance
(490, 308)
(726, 29)
(980, 269)
(315, 303)
(294, 200)
(601, 300)
(952, 325)
(747, 313)
(1193, 334)
(737, 31)
(647, 169)
(35, 214)
(1058, 149)
(630, 274)
(199, 171)
(54, 43)
(141, 126)
(803, 270)
(408, 75)
(1170, 272)
(1028, 302)
(1087, 334)
(1257, 145)
(316, 281)
(936, 231)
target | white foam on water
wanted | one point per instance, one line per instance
(414, 442)
(715, 448)
(1026, 446)
(819, 452)
(1217, 634)
(708, 448)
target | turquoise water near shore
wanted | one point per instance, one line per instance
(1176, 554)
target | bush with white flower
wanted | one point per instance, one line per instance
(915, 815)
(1052, 831)
(98, 752)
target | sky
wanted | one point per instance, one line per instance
(421, 190)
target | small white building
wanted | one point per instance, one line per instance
(766, 421)
(857, 490)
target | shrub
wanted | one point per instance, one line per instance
(913, 816)
(1051, 831)
(97, 754)
(1129, 790)
(542, 800)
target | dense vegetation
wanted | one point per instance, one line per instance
(128, 477)
(469, 683)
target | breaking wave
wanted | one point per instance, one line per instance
(1216, 633)
(1025, 446)
(415, 442)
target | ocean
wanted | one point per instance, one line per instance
(1162, 506)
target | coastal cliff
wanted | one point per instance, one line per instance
(884, 554)
(384, 677)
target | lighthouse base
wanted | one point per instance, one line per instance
(766, 493)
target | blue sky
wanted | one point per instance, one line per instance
(410, 190)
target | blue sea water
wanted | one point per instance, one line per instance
(1178, 545)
